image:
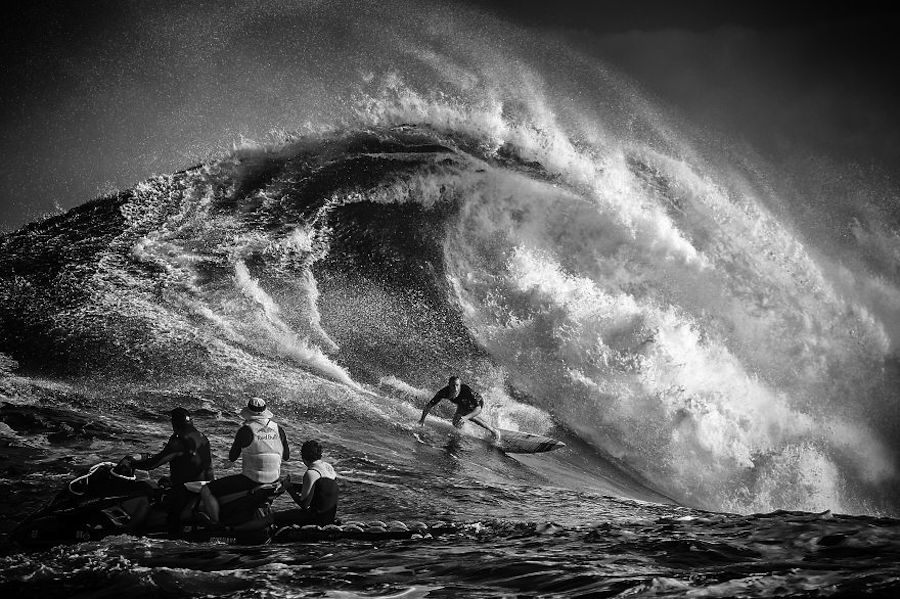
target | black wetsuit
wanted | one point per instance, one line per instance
(189, 457)
(466, 402)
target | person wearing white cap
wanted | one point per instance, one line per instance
(261, 444)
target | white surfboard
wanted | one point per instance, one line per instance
(509, 441)
(519, 442)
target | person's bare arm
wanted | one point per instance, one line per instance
(309, 481)
(434, 401)
(303, 497)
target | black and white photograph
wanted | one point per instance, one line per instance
(433, 299)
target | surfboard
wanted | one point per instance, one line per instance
(509, 441)
(519, 442)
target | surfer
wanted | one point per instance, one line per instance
(468, 404)
(188, 454)
(262, 445)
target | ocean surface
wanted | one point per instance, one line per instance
(725, 385)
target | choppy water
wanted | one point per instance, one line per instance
(631, 550)
(551, 525)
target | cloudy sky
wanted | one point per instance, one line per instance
(99, 95)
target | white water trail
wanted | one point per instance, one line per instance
(284, 340)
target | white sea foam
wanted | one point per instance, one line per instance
(404, 388)
(284, 341)
(684, 320)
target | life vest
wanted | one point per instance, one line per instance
(324, 469)
(261, 460)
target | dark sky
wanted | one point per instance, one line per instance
(103, 94)
(603, 17)
(824, 71)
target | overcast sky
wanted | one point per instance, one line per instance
(99, 95)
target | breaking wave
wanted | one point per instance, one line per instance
(644, 299)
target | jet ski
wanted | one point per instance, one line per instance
(111, 499)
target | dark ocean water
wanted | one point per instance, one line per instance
(554, 525)
(645, 310)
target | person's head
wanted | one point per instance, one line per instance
(455, 384)
(311, 451)
(181, 419)
(256, 409)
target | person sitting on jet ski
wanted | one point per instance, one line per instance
(189, 457)
(317, 495)
(262, 445)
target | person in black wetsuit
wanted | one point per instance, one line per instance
(468, 404)
(188, 455)
(262, 445)
(317, 496)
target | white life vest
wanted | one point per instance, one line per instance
(323, 469)
(261, 460)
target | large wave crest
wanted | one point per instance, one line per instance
(645, 298)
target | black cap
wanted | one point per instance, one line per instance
(180, 416)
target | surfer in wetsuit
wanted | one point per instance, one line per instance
(262, 445)
(468, 404)
(189, 458)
